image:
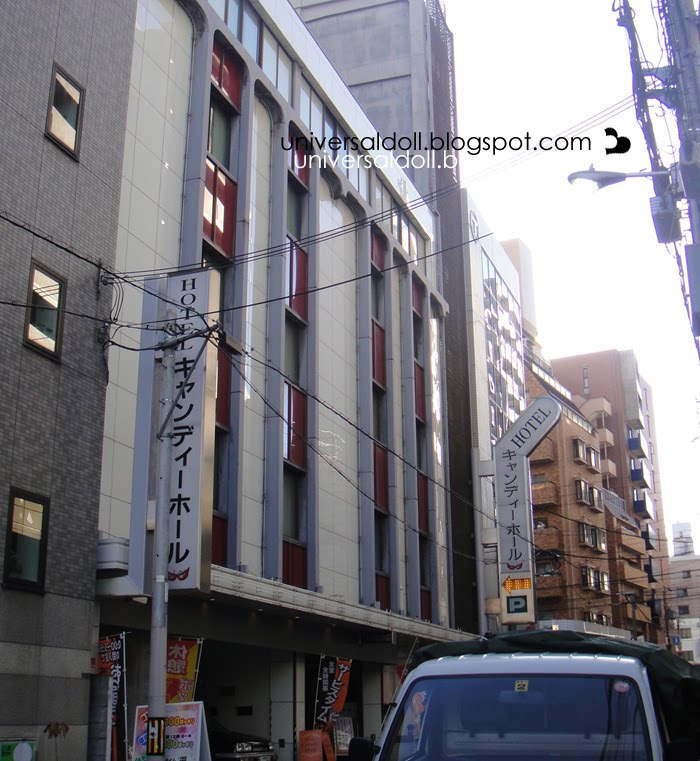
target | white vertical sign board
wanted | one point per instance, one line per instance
(514, 508)
(192, 428)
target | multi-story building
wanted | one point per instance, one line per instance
(61, 156)
(572, 572)
(682, 594)
(320, 473)
(630, 475)
(398, 61)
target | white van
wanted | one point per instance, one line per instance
(528, 707)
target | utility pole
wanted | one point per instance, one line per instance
(161, 540)
(159, 599)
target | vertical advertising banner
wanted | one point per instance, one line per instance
(181, 668)
(192, 429)
(334, 678)
(111, 659)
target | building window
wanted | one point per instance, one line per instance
(297, 280)
(65, 114)
(683, 610)
(579, 450)
(219, 146)
(226, 74)
(250, 32)
(277, 65)
(294, 426)
(686, 633)
(381, 542)
(688, 655)
(25, 550)
(295, 210)
(681, 593)
(686, 574)
(44, 316)
(220, 197)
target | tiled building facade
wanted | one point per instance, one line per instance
(61, 146)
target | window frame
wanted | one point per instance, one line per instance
(74, 153)
(55, 353)
(18, 583)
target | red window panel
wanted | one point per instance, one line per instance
(226, 74)
(219, 208)
(219, 531)
(423, 522)
(298, 160)
(383, 591)
(294, 444)
(209, 193)
(417, 297)
(225, 212)
(294, 564)
(381, 478)
(297, 279)
(216, 58)
(223, 388)
(426, 605)
(378, 354)
(378, 250)
(420, 392)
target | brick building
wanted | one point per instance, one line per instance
(630, 470)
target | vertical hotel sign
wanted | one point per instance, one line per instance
(514, 508)
(195, 293)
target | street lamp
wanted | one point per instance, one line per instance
(664, 205)
(603, 179)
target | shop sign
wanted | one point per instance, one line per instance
(185, 733)
(334, 678)
(192, 442)
(181, 666)
(311, 745)
(111, 659)
(17, 750)
(514, 507)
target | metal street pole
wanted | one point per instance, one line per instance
(159, 599)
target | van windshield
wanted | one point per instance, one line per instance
(520, 718)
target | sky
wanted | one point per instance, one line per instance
(602, 280)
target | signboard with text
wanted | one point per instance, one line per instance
(185, 736)
(514, 508)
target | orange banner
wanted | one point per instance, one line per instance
(334, 679)
(181, 670)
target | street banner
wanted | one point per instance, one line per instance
(111, 659)
(332, 689)
(17, 750)
(310, 745)
(182, 665)
(185, 733)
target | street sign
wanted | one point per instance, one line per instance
(514, 507)
(155, 744)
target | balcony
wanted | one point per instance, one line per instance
(546, 493)
(608, 468)
(632, 542)
(606, 436)
(652, 569)
(549, 586)
(629, 574)
(544, 452)
(643, 505)
(548, 538)
(638, 445)
(640, 475)
(594, 407)
(634, 414)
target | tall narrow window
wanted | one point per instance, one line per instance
(25, 550)
(65, 114)
(43, 326)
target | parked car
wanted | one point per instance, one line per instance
(226, 743)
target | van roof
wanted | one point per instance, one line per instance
(532, 663)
